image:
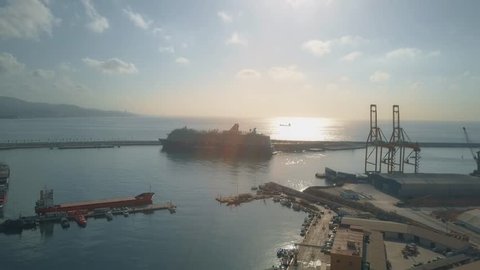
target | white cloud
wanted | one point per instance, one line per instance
(433, 54)
(97, 23)
(290, 73)
(168, 49)
(352, 56)
(43, 73)
(182, 61)
(9, 64)
(237, 39)
(317, 47)
(66, 67)
(344, 79)
(226, 18)
(296, 4)
(25, 19)
(248, 74)
(157, 30)
(403, 53)
(379, 76)
(351, 40)
(137, 19)
(111, 66)
(332, 87)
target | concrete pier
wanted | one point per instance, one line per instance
(279, 145)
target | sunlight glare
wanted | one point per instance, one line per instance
(304, 129)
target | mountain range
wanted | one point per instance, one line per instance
(16, 108)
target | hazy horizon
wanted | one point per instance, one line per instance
(245, 59)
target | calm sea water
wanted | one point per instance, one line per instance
(202, 234)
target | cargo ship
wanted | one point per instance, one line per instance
(45, 204)
(4, 175)
(228, 143)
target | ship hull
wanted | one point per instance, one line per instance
(140, 200)
(218, 149)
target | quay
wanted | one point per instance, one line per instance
(73, 144)
(279, 145)
(31, 222)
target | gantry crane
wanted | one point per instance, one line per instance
(475, 157)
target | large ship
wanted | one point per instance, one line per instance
(229, 143)
(45, 204)
(4, 175)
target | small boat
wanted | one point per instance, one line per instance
(80, 219)
(109, 215)
(64, 222)
(296, 207)
(254, 188)
(125, 212)
(286, 125)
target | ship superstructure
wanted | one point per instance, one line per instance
(231, 142)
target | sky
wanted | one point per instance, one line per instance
(251, 58)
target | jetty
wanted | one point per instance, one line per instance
(10, 226)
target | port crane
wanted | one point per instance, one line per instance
(475, 157)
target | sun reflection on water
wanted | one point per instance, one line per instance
(305, 129)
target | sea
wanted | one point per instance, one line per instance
(202, 234)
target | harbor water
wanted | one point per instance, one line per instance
(202, 234)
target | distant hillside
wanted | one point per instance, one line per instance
(17, 108)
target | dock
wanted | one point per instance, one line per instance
(31, 222)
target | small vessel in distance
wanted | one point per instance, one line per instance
(229, 143)
(45, 203)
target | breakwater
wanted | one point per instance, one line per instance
(279, 145)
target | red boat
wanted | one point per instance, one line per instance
(45, 203)
(80, 219)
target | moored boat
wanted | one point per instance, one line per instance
(45, 203)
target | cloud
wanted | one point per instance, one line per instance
(97, 23)
(248, 74)
(137, 19)
(237, 39)
(350, 40)
(26, 19)
(290, 73)
(168, 49)
(225, 17)
(182, 61)
(433, 54)
(320, 48)
(43, 73)
(379, 76)
(404, 53)
(157, 30)
(9, 64)
(352, 56)
(111, 66)
(317, 47)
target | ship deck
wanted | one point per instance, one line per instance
(93, 202)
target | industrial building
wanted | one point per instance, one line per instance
(470, 219)
(408, 233)
(427, 184)
(347, 250)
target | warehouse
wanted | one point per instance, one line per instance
(427, 184)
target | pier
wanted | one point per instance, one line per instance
(31, 222)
